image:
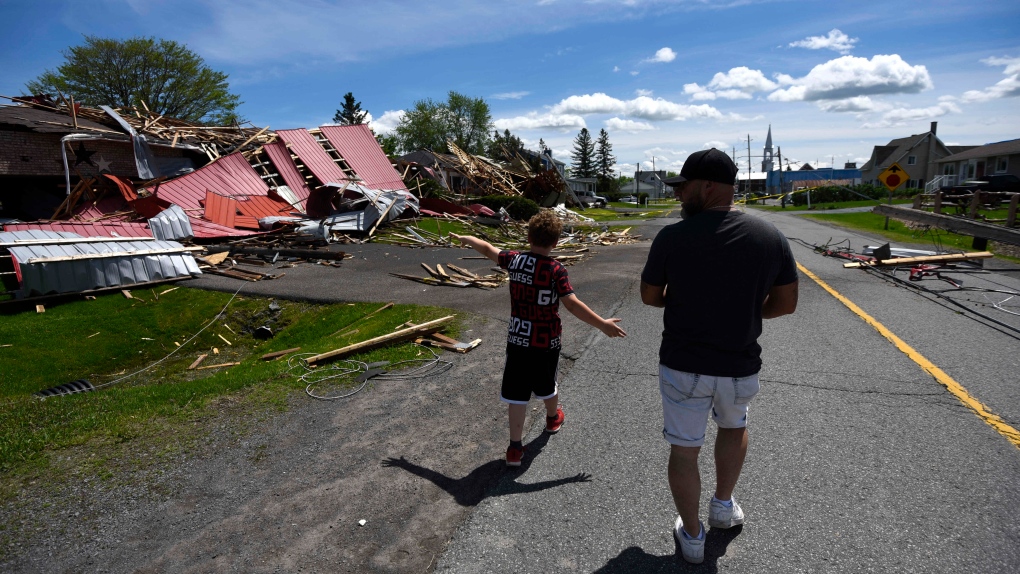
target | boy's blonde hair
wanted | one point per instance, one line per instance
(544, 228)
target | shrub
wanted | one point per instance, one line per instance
(641, 197)
(519, 208)
(834, 194)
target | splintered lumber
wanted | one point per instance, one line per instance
(218, 366)
(214, 258)
(431, 271)
(396, 336)
(197, 362)
(432, 280)
(278, 354)
(916, 260)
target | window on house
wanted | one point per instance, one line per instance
(970, 171)
(1001, 164)
(912, 160)
(949, 169)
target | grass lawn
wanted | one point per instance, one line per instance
(610, 215)
(898, 231)
(159, 410)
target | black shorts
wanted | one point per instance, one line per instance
(529, 371)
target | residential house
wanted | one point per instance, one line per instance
(917, 154)
(981, 161)
(649, 182)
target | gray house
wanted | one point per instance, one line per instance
(978, 162)
(917, 154)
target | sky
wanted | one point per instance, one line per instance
(664, 78)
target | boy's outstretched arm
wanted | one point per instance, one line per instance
(479, 245)
(578, 309)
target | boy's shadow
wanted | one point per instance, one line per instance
(634, 560)
(478, 484)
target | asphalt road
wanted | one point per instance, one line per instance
(860, 461)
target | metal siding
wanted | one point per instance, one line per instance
(171, 224)
(219, 209)
(115, 229)
(280, 156)
(261, 206)
(363, 154)
(315, 158)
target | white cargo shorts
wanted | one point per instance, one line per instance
(687, 399)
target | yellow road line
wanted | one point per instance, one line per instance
(993, 420)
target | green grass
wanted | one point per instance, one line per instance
(159, 409)
(826, 206)
(610, 215)
(898, 231)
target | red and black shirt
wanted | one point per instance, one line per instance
(536, 284)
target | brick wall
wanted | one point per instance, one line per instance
(35, 154)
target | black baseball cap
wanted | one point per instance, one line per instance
(708, 165)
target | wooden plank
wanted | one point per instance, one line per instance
(278, 354)
(224, 339)
(442, 272)
(40, 308)
(954, 257)
(197, 362)
(219, 365)
(431, 271)
(401, 335)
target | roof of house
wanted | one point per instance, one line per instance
(27, 118)
(1008, 147)
(884, 155)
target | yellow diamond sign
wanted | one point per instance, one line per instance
(893, 177)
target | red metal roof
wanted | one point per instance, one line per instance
(258, 206)
(206, 229)
(219, 209)
(363, 154)
(124, 185)
(113, 229)
(230, 175)
(315, 158)
(280, 156)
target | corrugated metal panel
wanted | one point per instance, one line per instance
(171, 224)
(258, 206)
(104, 229)
(229, 175)
(280, 156)
(363, 154)
(105, 206)
(219, 209)
(246, 222)
(208, 230)
(315, 158)
(95, 273)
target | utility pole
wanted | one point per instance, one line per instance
(782, 190)
(748, 190)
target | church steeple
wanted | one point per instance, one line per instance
(766, 163)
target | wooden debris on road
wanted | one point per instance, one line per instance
(197, 362)
(277, 354)
(901, 261)
(397, 336)
(456, 277)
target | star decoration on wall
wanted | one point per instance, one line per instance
(82, 155)
(104, 165)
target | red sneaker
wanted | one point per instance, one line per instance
(553, 424)
(514, 455)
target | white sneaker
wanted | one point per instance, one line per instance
(693, 549)
(722, 516)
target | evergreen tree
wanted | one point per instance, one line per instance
(504, 147)
(604, 158)
(350, 114)
(583, 156)
(542, 149)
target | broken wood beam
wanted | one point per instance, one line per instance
(197, 362)
(397, 336)
(277, 354)
(951, 258)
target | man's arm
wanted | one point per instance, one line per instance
(578, 309)
(781, 300)
(479, 245)
(654, 295)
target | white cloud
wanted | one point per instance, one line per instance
(509, 95)
(855, 104)
(642, 107)
(534, 121)
(663, 55)
(1007, 88)
(715, 144)
(836, 41)
(616, 68)
(739, 83)
(902, 116)
(850, 76)
(640, 92)
(628, 125)
(634, 73)
(386, 122)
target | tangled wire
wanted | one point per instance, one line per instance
(351, 371)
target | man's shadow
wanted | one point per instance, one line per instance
(484, 482)
(634, 560)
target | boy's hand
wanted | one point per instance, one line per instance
(611, 329)
(457, 237)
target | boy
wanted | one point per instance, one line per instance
(537, 284)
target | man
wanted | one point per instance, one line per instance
(717, 273)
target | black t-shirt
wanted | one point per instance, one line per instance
(718, 267)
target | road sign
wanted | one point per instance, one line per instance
(893, 177)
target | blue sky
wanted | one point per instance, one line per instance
(664, 77)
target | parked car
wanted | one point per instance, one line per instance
(590, 199)
(629, 199)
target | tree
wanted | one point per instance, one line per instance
(583, 156)
(429, 124)
(164, 75)
(350, 114)
(604, 162)
(505, 147)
